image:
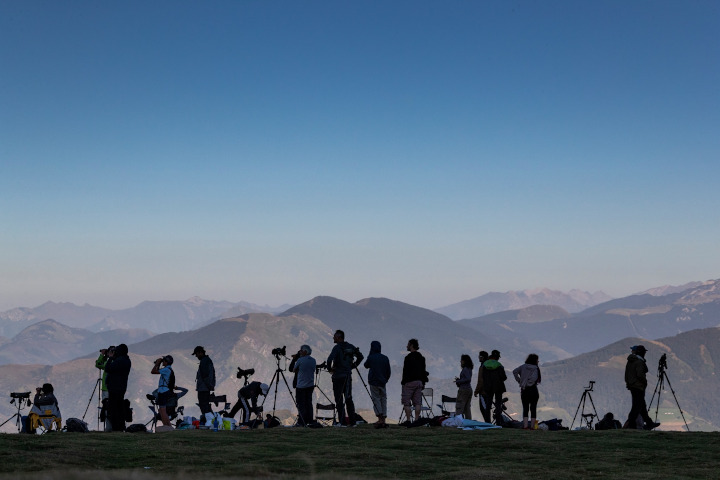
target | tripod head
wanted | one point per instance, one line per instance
(590, 387)
(662, 364)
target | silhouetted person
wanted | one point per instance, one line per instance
(343, 358)
(494, 384)
(413, 380)
(636, 381)
(480, 388)
(118, 369)
(528, 377)
(204, 380)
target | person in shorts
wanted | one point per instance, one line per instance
(413, 380)
(166, 384)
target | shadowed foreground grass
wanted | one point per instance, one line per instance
(362, 452)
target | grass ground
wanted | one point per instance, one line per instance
(362, 452)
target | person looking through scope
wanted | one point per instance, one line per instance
(118, 369)
(100, 365)
(303, 365)
(343, 358)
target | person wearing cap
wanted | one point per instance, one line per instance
(166, 384)
(204, 380)
(635, 380)
(247, 400)
(303, 365)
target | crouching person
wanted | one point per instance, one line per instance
(247, 400)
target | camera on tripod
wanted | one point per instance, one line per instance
(279, 352)
(245, 373)
(590, 387)
(321, 367)
(20, 395)
(662, 363)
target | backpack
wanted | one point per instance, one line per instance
(136, 428)
(271, 421)
(76, 425)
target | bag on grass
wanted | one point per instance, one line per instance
(76, 425)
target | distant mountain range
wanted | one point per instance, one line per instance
(573, 301)
(157, 316)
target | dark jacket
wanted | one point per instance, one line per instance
(414, 368)
(635, 371)
(118, 370)
(343, 358)
(205, 376)
(379, 365)
(493, 377)
(250, 392)
(42, 399)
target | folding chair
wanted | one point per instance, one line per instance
(44, 417)
(427, 399)
(447, 405)
(327, 418)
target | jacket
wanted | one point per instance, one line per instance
(463, 383)
(118, 369)
(205, 376)
(414, 368)
(343, 358)
(493, 377)
(527, 375)
(379, 365)
(635, 371)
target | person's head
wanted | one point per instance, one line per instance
(495, 354)
(466, 361)
(375, 347)
(47, 388)
(639, 350)
(264, 389)
(482, 356)
(532, 359)
(199, 352)
(121, 350)
(413, 345)
(305, 350)
(339, 336)
(168, 360)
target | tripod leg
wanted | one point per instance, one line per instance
(676, 401)
(582, 402)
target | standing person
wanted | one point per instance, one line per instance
(413, 380)
(303, 365)
(343, 358)
(247, 399)
(494, 384)
(118, 370)
(166, 385)
(636, 381)
(100, 365)
(204, 380)
(465, 392)
(378, 376)
(479, 390)
(528, 377)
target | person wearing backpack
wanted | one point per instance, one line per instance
(343, 358)
(166, 385)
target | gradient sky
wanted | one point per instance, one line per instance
(429, 152)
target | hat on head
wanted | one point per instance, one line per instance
(198, 349)
(264, 388)
(639, 349)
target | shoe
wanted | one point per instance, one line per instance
(651, 425)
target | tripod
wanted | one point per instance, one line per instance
(587, 417)
(276, 380)
(98, 383)
(23, 400)
(662, 377)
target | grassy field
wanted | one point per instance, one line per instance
(362, 452)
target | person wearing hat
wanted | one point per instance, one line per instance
(204, 380)
(247, 400)
(166, 384)
(304, 367)
(636, 381)
(494, 384)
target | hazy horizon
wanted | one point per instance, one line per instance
(421, 151)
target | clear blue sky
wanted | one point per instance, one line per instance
(429, 152)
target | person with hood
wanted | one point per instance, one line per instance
(378, 376)
(528, 377)
(303, 365)
(247, 399)
(204, 380)
(494, 384)
(118, 370)
(343, 358)
(463, 400)
(479, 390)
(636, 381)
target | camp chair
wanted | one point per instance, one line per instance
(447, 405)
(43, 417)
(328, 417)
(426, 410)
